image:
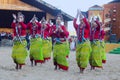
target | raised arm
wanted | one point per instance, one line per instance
(102, 34)
(74, 23)
(98, 26)
(86, 23)
(75, 20)
(13, 25)
(14, 21)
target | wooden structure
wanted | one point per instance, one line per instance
(28, 8)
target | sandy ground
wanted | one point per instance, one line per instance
(46, 71)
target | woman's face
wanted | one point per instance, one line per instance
(58, 20)
(21, 18)
(33, 20)
(94, 24)
(43, 24)
(81, 21)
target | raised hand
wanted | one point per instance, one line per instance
(14, 16)
(19, 20)
(81, 15)
(77, 13)
(60, 29)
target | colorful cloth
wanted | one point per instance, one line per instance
(19, 52)
(83, 53)
(47, 49)
(96, 56)
(60, 51)
(102, 45)
(67, 49)
(36, 50)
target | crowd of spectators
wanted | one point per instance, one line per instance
(5, 36)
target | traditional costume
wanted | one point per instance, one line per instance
(19, 52)
(96, 55)
(83, 47)
(60, 45)
(36, 54)
(46, 40)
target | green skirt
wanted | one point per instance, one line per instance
(47, 49)
(102, 45)
(36, 50)
(82, 54)
(19, 52)
(67, 49)
(60, 51)
(96, 56)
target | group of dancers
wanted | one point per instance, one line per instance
(90, 43)
(45, 38)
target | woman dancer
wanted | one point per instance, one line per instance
(36, 55)
(83, 47)
(96, 55)
(19, 52)
(46, 40)
(60, 44)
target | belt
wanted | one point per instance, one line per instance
(36, 36)
(48, 38)
(59, 40)
(96, 40)
(62, 39)
(80, 42)
(17, 38)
